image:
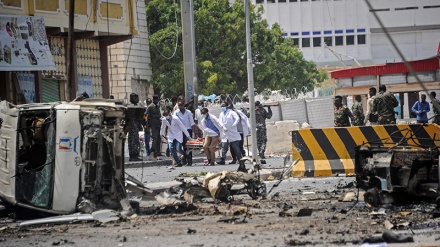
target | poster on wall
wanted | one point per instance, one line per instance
(27, 86)
(85, 85)
(23, 44)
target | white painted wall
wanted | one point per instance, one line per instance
(416, 31)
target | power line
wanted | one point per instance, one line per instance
(393, 43)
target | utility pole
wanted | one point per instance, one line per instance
(71, 77)
(250, 70)
(189, 49)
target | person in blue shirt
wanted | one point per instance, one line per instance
(421, 109)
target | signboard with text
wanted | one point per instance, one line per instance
(23, 44)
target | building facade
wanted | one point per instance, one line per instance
(97, 25)
(130, 69)
(396, 77)
(345, 32)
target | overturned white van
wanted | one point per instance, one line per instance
(63, 157)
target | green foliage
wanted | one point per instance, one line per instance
(221, 50)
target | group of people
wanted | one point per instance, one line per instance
(180, 123)
(380, 109)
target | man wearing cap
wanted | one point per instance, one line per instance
(342, 113)
(260, 118)
(154, 122)
(133, 132)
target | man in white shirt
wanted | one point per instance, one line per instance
(198, 119)
(243, 128)
(230, 120)
(212, 127)
(186, 118)
(176, 129)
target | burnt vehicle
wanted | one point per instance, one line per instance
(399, 172)
(60, 158)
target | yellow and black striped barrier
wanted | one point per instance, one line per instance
(330, 151)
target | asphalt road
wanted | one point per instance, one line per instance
(299, 212)
(303, 212)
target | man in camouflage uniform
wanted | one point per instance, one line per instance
(435, 108)
(383, 105)
(358, 112)
(342, 113)
(260, 118)
(133, 132)
(369, 115)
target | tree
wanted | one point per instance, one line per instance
(221, 50)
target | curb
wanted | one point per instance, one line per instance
(164, 162)
(323, 168)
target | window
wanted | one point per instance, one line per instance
(317, 42)
(431, 7)
(339, 40)
(304, 0)
(281, 1)
(349, 40)
(328, 41)
(406, 8)
(260, 1)
(295, 41)
(361, 40)
(378, 10)
(293, 1)
(305, 42)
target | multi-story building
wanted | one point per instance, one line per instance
(97, 25)
(130, 60)
(345, 32)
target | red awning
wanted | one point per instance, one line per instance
(389, 68)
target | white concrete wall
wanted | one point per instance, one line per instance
(129, 62)
(279, 141)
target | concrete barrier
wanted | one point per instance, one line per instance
(331, 151)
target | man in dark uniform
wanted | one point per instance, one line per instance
(133, 132)
(147, 131)
(260, 118)
(154, 122)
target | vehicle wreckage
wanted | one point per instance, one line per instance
(387, 160)
(391, 174)
(60, 158)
